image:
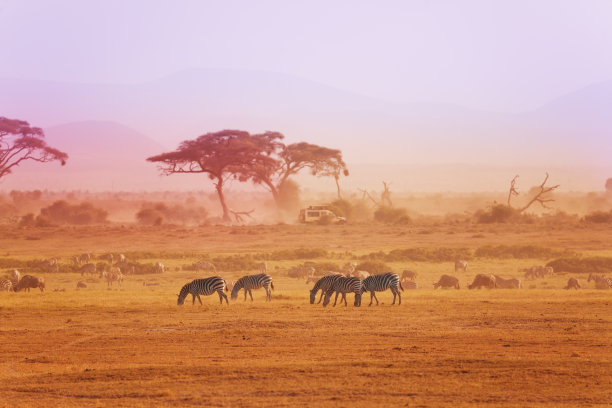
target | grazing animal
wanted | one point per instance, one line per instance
(204, 266)
(324, 284)
(251, 282)
(263, 267)
(343, 285)
(109, 258)
(382, 282)
(48, 265)
(159, 267)
(88, 268)
(84, 258)
(81, 285)
(301, 272)
(408, 275)
(28, 282)
(461, 265)
(488, 281)
(447, 281)
(572, 283)
(112, 275)
(121, 258)
(601, 282)
(15, 276)
(511, 283)
(206, 287)
(409, 284)
(6, 285)
(349, 268)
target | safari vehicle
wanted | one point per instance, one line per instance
(315, 213)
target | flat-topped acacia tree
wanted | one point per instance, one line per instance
(20, 142)
(221, 155)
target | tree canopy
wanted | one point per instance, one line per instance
(20, 142)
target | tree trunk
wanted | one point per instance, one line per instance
(226, 212)
(337, 178)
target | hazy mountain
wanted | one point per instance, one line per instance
(571, 131)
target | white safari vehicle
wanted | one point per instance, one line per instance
(315, 213)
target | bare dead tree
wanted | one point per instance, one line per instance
(385, 196)
(539, 197)
(238, 215)
(513, 190)
(368, 195)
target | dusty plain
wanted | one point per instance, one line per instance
(540, 346)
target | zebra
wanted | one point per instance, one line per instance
(250, 282)
(263, 267)
(159, 267)
(84, 258)
(6, 285)
(204, 266)
(601, 282)
(15, 277)
(382, 282)
(343, 285)
(206, 287)
(324, 284)
(112, 275)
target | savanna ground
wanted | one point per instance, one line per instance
(133, 346)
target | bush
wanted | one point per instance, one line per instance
(518, 252)
(421, 255)
(582, 265)
(295, 254)
(157, 213)
(390, 215)
(599, 217)
(373, 267)
(497, 213)
(80, 214)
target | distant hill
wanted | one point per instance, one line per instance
(572, 131)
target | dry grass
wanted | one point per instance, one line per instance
(134, 347)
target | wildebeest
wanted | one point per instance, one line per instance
(28, 281)
(572, 283)
(447, 281)
(511, 283)
(461, 265)
(81, 285)
(488, 281)
(88, 268)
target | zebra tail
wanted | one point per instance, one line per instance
(400, 285)
(272, 285)
(225, 283)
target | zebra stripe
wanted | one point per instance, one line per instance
(379, 283)
(250, 282)
(343, 285)
(6, 285)
(601, 282)
(206, 287)
(205, 266)
(263, 267)
(324, 284)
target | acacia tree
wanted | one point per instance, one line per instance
(221, 155)
(20, 142)
(285, 161)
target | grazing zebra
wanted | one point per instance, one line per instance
(206, 287)
(112, 275)
(250, 282)
(29, 281)
(601, 282)
(6, 285)
(263, 267)
(572, 283)
(88, 268)
(324, 284)
(204, 266)
(15, 277)
(460, 264)
(382, 282)
(408, 275)
(343, 285)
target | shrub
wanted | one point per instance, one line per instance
(421, 255)
(294, 254)
(157, 213)
(497, 213)
(80, 214)
(599, 217)
(390, 215)
(518, 252)
(582, 265)
(373, 267)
